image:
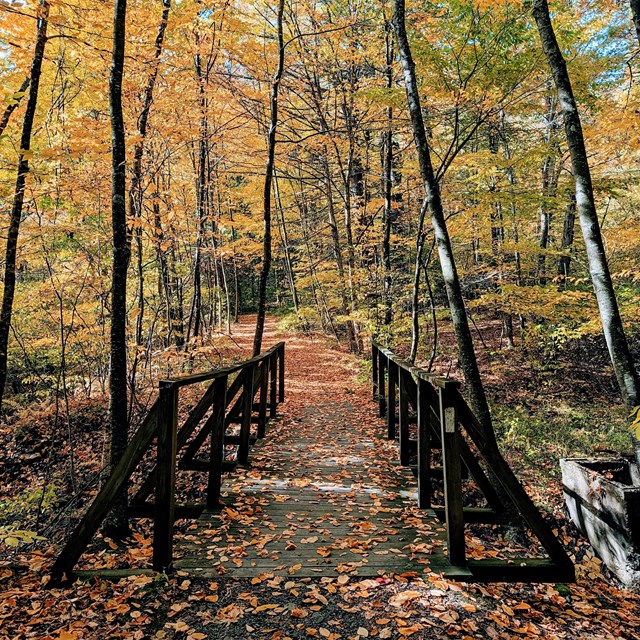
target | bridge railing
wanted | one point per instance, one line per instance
(406, 394)
(230, 398)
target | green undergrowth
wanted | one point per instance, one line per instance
(562, 430)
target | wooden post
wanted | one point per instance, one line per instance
(247, 409)
(264, 390)
(165, 477)
(381, 393)
(452, 474)
(281, 374)
(216, 456)
(424, 444)
(392, 381)
(374, 371)
(273, 384)
(404, 379)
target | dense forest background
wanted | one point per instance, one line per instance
(352, 255)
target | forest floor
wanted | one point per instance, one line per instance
(409, 604)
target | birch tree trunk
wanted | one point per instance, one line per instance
(585, 203)
(466, 353)
(18, 196)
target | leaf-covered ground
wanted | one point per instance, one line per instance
(341, 607)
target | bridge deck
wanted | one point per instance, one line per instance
(322, 495)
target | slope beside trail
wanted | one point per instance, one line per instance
(323, 494)
(325, 471)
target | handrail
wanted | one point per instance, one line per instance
(183, 381)
(446, 422)
(262, 374)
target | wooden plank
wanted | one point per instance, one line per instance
(166, 477)
(491, 455)
(520, 570)
(392, 381)
(404, 381)
(374, 371)
(182, 381)
(436, 381)
(262, 404)
(452, 477)
(281, 372)
(198, 464)
(474, 515)
(189, 426)
(424, 445)
(186, 511)
(247, 406)
(273, 385)
(91, 521)
(382, 402)
(216, 454)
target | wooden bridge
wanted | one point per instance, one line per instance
(330, 488)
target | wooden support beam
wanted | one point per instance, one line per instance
(382, 402)
(452, 476)
(262, 403)
(216, 454)
(186, 511)
(273, 385)
(281, 373)
(474, 515)
(189, 426)
(166, 477)
(247, 406)
(200, 464)
(236, 439)
(93, 518)
(392, 381)
(374, 371)
(424, 445)
(404, 381)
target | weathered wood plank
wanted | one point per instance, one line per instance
(424, 446)
(164, 516)
(404, 381)
(382, 402)
(247, 407)
(392, 381)
(281, 372)
(262, 403)
(182, 381)
(273, 385)
(216, 454)
(452, 477)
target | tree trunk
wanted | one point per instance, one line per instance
(466, 353)
(415, 298)
(549, 185)
(387, 164)
(564, 263)
(18, 197)
(117, 525)
(284, 236)
(598, 267)
(135, 191)
(635, 14)
(268, 179)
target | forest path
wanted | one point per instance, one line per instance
(322, 494)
